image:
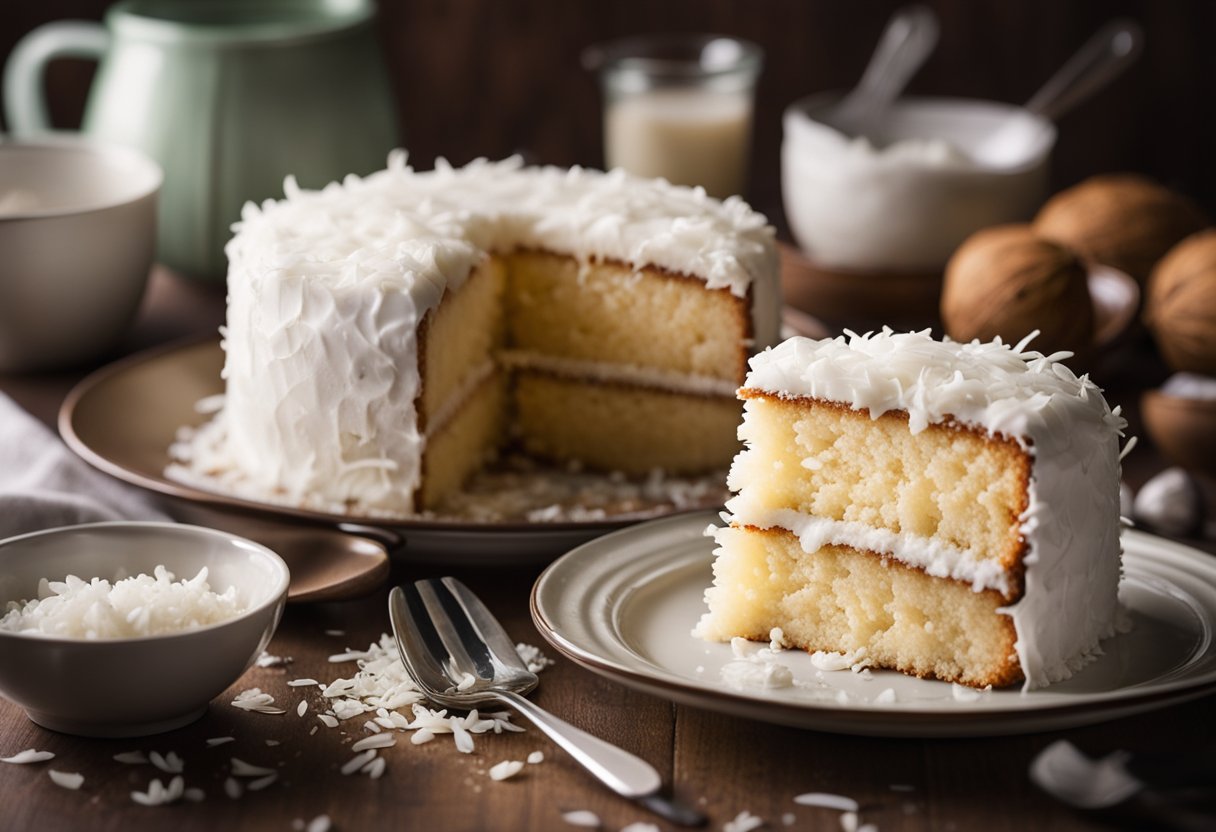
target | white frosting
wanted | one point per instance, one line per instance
(1071, 525)
(327, 288)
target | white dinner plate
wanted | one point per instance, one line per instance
(624, 605)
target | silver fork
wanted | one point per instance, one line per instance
(461, 657)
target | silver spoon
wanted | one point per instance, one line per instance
(461, 657)
(1111, 50)
(907, 41)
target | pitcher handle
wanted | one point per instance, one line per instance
(24, 99)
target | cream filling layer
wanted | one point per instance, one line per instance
(932, 556)
(631, 374)
(448, 410)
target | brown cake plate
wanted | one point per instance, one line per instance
(123, 418)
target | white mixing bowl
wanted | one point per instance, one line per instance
(905, 198)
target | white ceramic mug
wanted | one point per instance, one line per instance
(78, 232)
(229, 96)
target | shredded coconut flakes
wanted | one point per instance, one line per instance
(27, 756)
(69, 780)
(256, 701)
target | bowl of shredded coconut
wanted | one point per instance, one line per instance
(125, 629)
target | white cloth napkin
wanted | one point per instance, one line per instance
(44, 485)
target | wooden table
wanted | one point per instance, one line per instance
(722, 764)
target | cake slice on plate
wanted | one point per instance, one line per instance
(947, 510)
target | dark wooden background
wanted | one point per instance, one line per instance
(491, 77)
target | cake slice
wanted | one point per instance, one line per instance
(947, 510)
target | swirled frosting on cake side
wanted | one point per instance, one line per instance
(327, 290)
(1071, 525)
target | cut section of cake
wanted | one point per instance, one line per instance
(947, 510)
(386, 334)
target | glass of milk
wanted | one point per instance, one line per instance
(679, 107)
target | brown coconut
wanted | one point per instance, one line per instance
(1009, 281)
(1181, 305)
(1122, 220)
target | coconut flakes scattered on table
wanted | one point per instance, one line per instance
(267, 660)
(256, 701)
(349, 708)
(69, 780)
(299, 683)
(158, 794)
(745, 821)
(536, 757)
(582, 817)
(28, 756)
(135, 758)
(335, 633)
(825, 800)
(506, 769)
(302, 707)
(641, 826)
(374, 741)
(169, 763)
(382, 686)
(321, 823)
(533, 657)
(214, 741)
(358, 761)
(240, 768)
(233, 788)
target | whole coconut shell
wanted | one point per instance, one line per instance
(1181, 304)
(1008, 281)
(1121, 220)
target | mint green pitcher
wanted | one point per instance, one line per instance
(229, 96)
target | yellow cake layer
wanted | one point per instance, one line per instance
(959, 486)
(623, 428)
(462, 445)
(840, 599)
(460, 336)
(611, 313)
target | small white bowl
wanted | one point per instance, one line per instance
(133, 687)
(903, 200)
(78, 234)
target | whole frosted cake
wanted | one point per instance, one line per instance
(948, 510)
(386, 334)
